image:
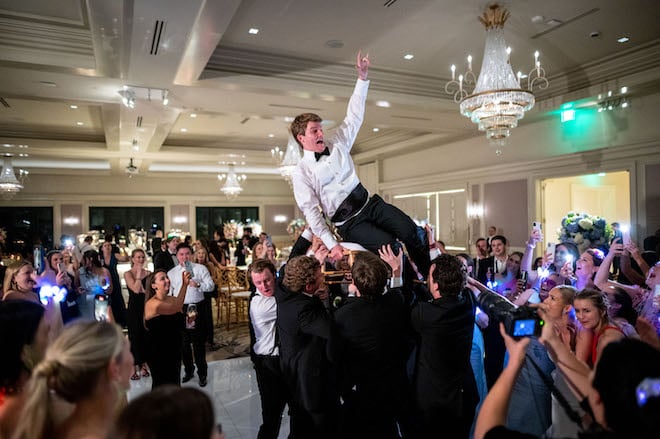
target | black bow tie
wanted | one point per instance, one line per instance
(319, 154)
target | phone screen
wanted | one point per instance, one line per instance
(524, 328)
(189, 267)
(536, 225)
(101, 307)
(61, 267)
(551, 248)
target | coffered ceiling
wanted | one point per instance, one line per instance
(231, 92)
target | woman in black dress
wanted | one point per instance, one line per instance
(165, 322)
(109, 261)
(135, 283)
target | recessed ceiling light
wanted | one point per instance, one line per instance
(623, 39)
(375, 130)
(193, 115)
(384, 104)
(73, 107)
(408, 56)
(253, 31)
(271, 135)
(80, 124)
(601, 174)
(624, 90)
(7, 145)
(184, 130)
(23, 155)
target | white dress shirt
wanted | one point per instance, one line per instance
(327, 182)
(263, 313)
(201, 276)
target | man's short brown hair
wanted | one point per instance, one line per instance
(369, 274)
(261, 265)
(299, 124)
(299, 272)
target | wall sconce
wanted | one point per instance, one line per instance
(280, 218)
(180, 219)
(475, 211)
(71, 221)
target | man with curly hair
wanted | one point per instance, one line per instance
(444, 385)
(304, 327)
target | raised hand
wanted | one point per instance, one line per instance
(362, 65)
(394, 261)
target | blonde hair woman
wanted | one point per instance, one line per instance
(20, 281)
(89, 365)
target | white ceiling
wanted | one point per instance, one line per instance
(242, 87)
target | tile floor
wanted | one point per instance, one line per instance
(233, 388)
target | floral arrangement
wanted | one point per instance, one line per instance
(585, 230)
(296, 227)
(230, 230)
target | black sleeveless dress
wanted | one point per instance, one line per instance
(164, 348)
(137, 334)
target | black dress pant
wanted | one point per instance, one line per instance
(380, 223)
(273, 393)
(194, 343)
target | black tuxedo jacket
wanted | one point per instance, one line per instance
(444, 382)
(374, 335)
(163, 260)
(305, 332)
(481, 266)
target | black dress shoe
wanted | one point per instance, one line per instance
(187, 378)
(202, 381)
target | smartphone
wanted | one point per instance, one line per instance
(61, 267)
(101, 307)
(536, 226)
(625, 235)
(551, 248)
(189, 267)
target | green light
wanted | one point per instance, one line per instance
(567, 105)
(567, 116)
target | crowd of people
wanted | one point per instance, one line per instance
(425, 345)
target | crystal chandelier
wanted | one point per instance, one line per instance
(498, 100)
(232, 185)
(288, 160)
(9, 185)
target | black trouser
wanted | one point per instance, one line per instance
(208, 317)
(273, 393)
(197, 338)
(380, 223)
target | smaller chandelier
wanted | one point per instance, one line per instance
(498, 101)
(9, 185)
(287, 161)
(232, 185)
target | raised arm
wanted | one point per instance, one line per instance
(528, 257)
(174, 304)
(601, 280)
(496, 405)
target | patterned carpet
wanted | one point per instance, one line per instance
(234, 342)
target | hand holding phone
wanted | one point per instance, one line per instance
(536, 226)
(101, 307)
(189, 267)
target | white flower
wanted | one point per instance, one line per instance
(586, 223)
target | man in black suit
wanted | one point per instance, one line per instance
(444, 385)
(482, 260)
(304, 327)
(373, 330)
(167, 259)
(264, 349)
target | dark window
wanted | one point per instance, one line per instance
(119, 220)
(26, 227)
(211, 218)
